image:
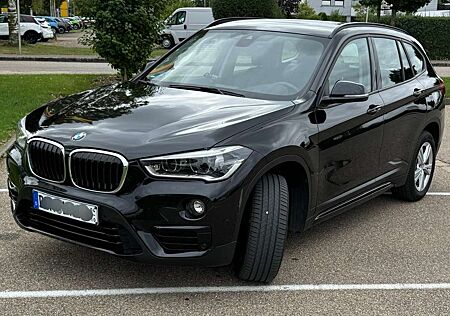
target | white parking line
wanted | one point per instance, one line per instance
(225, 289)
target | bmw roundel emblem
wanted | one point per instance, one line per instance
(79, 136)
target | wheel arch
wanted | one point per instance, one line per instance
(434, 129)
(294, 167)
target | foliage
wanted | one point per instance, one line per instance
(245, 8)
(408, 5)
(288, 7)
(336, 16)
(125, 32)
(175, 4)
(305, 11)
(421, 27)
(361, 12)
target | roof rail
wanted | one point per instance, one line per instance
(359, 24)
(225, 20)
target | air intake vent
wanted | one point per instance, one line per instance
(46, 159)
(97, 170)
(183, 239)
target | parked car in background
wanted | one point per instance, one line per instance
(87, 22)
(54, 24)
(75, 23)
(30, 29)
(47, 32)
(183, 23)
(64, 25)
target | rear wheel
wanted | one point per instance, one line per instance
(260, 256)
(31, 37)
(61, 30)
(421, 170)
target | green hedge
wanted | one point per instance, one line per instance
(245, 8)
(432, 32)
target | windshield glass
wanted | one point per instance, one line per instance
(255, 64)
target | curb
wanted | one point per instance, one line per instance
(441, 64)
(53, 59)
(4, 148)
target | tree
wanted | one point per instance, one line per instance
(305, 11)
(125, 32)
(408, 6)
(245, 8)
(373, 4)
(172, 5)
(12, 23)
(289, 7)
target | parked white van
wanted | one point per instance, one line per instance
(184, 22)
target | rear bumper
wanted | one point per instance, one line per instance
(147, 223)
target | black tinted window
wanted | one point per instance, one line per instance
(389, 61)
(406, 66)
(353, 64)
(3, 18)
(416, 58)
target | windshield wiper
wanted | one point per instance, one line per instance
(206, 89)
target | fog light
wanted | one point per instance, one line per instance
(197, 208)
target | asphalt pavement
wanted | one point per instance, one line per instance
(386, 257)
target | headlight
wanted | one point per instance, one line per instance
(21, 134)
(210, 165)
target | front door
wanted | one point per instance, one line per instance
(178, 26)
(350, 134)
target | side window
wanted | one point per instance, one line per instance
(389, 61)
(406, 66)
(353, 64)
(178, 18)
(416, 58)
(3, 18)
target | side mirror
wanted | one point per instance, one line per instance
(150, 63)
(346, 92)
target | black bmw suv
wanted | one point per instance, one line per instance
(247, 130)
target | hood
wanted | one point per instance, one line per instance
(140, 120)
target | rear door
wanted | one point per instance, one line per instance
(178, 25)
(350, 134)
(405, 106)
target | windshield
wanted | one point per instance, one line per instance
(255, 64)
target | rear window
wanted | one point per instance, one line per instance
(389, 61)
(416, 58)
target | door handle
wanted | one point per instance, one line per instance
(374, 108)
(417, 93)
(185, 27)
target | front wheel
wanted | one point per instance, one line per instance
(31, 37)
(421, 170)
(260, 256)
(167, 42)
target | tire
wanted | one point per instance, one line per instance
(412, 190)
(44, 40)
(167, 42)
(31, 37)
(61, 30)
(261, 252)
(75, 27)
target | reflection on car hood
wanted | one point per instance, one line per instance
(140, 120)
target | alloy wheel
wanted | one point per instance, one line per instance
(424, 166)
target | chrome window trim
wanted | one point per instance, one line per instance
(124, 161)
(61, 147)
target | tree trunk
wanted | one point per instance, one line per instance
(393, 16)
(379, 12)
(12, 23)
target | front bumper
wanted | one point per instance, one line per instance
(146, 221)
(47, 33)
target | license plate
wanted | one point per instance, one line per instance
(86, 213)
